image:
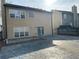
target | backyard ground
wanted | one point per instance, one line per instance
(43, 49)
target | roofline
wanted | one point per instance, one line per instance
(25, 7)
(62, 11)
(31, 8)
(67, 11)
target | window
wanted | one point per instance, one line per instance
(22, 15)
(18, 14)
(21, 32)
(12, 15)
(31, 14)
(16, 34)
(26, 34)
(65, 16)
(40, 31)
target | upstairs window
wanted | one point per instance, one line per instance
(12, 13)
(18, 14)
(22, 15)
(31, 14)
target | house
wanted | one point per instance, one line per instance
(21, 22)
(24, 22)
(66, 18)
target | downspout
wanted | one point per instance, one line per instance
(5, 21)
(51, 23)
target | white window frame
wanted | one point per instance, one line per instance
(17, 13)
(21, 29)
(24, 13)
(11, 11)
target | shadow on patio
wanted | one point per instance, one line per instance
(24, 48)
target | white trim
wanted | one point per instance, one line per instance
(24, 30)
(18, 13)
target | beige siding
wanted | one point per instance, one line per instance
(39, 19)
(56, 20)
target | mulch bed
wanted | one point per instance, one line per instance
(2, 43)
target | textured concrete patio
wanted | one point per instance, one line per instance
(42, 49)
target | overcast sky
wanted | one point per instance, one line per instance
(47, 4)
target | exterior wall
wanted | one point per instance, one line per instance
(39, 19)
(78, 20)
(67, 18)
(75, 17)
(2, 17)
(56, 20)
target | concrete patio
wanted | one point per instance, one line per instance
(42, 49)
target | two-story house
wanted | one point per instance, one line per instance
(26, 22)
(21, 22)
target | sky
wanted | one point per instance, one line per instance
(48, 5)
